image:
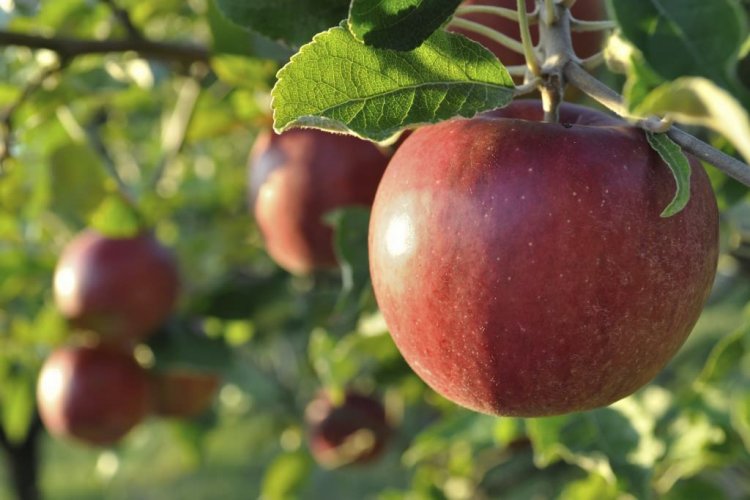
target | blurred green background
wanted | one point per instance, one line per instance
(175, 138)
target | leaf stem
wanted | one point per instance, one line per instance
(582, 25)
(528, 46)
(594, 61)
(492, 10)
(493, 35)
(598, 91)
(527, 87)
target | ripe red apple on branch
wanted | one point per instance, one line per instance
(298, 176)
(93, 394)
(119, 288)
(523, 267)
(353, 431)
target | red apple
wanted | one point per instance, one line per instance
(585, 43)
(120, 288)
(523, 267)
(297, 177)
(183, 393)
(93, 394)
(352, 432)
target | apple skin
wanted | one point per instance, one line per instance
(183, 393)
(523, 268)
(120, 288)
(93, 394)
(585, 43)
(298, 176)
(333, 428)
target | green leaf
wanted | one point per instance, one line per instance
(698, 101)
(181, 343)
(117, 217)
(229, 38)
(600, 442)
(285, 476)
(339, 84)
(78, 181)
(679, 37)
(244, 72)
(398, 24)
(680, 167)
(740, 417)
(462, 427)
(291, 21)
(350, 243)
(17, 404)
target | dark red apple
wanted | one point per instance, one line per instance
(298, 176)
(585, 43)
(120, 288)
(183, 393)
(355, 431)
(523, 267)
(92, 394)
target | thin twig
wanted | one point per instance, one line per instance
(69, 48)
(594, 61)
(123, 17)
(93, 134)
(176, 128)
(493, 35)
(493, 11)
(6, 116)
(598, 91)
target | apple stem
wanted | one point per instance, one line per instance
(598, 91)
(528, 46)
(493, 35)
(556, 49)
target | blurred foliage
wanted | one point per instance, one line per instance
(174, 141)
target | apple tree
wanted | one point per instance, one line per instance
(390, 249)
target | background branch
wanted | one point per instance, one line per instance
(6, 115)
(598, 91)
(68, 48)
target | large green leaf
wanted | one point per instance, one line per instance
(398, 24)
(78, 181)
(680, 37)
(291, 21)
(337, 83)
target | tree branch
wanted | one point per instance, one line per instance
(68, 48)
(598, 91)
